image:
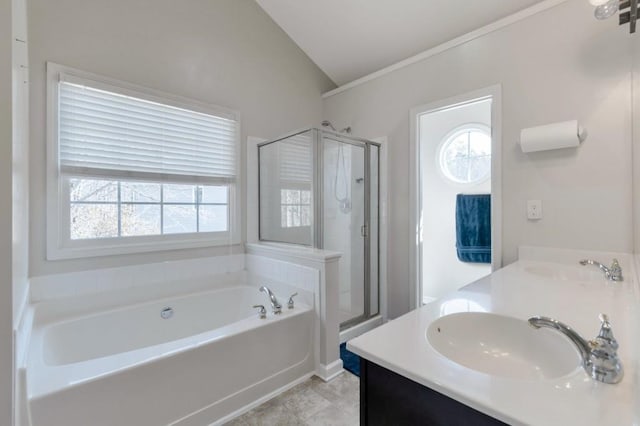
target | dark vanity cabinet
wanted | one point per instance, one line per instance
(387, 398)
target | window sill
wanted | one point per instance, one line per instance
(93, 248)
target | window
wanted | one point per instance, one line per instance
(108, 208)
(465, 154)
(295, 205)
(131, 170)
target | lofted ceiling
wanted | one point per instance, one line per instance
(349, 39)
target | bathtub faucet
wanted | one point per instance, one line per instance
(275, 305)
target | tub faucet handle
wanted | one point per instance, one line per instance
(290, 302)
(262, 313)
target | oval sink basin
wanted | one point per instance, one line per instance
(503, 346)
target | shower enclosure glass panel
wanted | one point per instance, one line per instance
(320, 189)
(344, 220)
(286, 179)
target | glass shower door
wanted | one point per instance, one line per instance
(344, 222)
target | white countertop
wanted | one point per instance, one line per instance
(571, 294)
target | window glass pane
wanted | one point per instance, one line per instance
(179, 193)
(137, 192)
(94, 221)
(94, 209)
(291, 216)
(479, 168)
(214, 194)
(213, 218)
(465, 157)
(480, 144)
(305, 197)
(140, 219)
(305, 216)
(458, 168)
(179, 219)
(295, 214)
(93, 190)
(295, 196)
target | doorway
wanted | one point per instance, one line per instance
(455, 193)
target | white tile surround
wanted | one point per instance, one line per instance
(160, 275)
(100, 289)
(327, 263)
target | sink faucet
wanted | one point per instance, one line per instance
(275, 305)
(613, 273)
(599, 356)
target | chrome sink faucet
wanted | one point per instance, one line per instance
(275, 305)
(613, 273)
(599, 356)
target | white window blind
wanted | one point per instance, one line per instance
(103, 133)
(295, 159)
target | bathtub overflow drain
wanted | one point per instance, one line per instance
(166, 313)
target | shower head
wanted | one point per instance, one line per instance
(327, 123)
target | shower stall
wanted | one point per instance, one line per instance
(321, 189)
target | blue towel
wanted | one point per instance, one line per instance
(473, 228)
(350, 361)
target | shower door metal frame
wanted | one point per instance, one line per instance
(317, 200)
(366, 145)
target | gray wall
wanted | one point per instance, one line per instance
(636, 141)
(558, 65)
(225, 52)
(6, 299)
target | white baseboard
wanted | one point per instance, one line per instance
(328, 372)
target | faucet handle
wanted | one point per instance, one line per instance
(605, 336)
(262, 313)
(290, 302)
(616, 271)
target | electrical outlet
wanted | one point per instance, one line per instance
(534, 209)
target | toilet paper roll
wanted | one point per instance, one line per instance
(566, 134)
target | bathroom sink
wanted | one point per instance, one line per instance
(502, 346)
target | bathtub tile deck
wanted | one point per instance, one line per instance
(312, 403)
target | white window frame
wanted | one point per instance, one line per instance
(59, 243)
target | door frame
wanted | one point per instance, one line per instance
(415, 199)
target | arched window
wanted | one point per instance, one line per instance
(464, 156)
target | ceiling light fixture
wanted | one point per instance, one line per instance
(607, 8)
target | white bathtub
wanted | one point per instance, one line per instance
(129, 366)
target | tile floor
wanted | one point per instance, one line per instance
(314, 402)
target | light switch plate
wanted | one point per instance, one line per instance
(534, 209)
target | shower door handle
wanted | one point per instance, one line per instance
(364, 231)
